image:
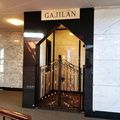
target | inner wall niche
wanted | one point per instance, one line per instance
(63, 42)
(65, 46)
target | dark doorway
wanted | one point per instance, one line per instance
(60, 76)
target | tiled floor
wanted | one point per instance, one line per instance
(13, 100)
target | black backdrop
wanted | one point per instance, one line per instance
(82, 28)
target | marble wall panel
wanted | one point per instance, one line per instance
(106, 72)
(43, 53)
(11, 59)
(106, 63)
(1, 79)
(68, 53)
(106, 99)
(107, 21)
(107, 46)
(67, 45)
(65, 37)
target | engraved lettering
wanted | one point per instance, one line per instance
(67, 14)
(73, 13)
(47, 15)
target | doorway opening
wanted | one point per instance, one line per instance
(60, 77)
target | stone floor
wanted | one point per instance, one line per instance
(13, 100)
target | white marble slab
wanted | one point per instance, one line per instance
(106, 72)
(107, 21)
(106, 98)
(106, 61)
(107, 46)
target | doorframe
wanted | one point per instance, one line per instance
(38, 84)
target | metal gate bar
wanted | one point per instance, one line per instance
(60, 85)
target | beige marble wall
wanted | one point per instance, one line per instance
(11, 59)
(67, 45)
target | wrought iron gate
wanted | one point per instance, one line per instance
(60, 86)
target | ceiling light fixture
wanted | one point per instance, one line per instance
(15, 21)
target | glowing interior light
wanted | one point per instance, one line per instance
(71, 33)
(72, 48)
(100, 38)
(15, 21)
(16, 41)
(33, 35)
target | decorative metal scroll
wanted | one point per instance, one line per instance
(70, 75)
(49, 77)
(48, 74)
